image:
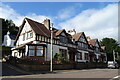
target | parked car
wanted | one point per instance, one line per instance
(112, 64)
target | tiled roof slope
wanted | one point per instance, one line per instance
(92, 42)
(38, 28)
(77, 36)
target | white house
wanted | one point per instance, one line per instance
(9, 40)
(33, 41)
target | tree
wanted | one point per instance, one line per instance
(111, 44)
(8, 25)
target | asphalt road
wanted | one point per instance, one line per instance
(9, 70)
(86, 74)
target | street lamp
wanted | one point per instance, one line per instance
(51, 47)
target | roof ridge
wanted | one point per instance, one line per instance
(33, 20)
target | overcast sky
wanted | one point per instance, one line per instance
(96, 19)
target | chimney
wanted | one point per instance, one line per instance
(88, 38)
(72, 32)
(47, 23)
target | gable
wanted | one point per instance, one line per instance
(24, 35)
(63, 34)
(97, 44)
(35, 27)
(82, 39)
(26, 28)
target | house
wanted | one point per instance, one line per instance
(82, 47)
(34, 42)
(9, 40)
(98, 51)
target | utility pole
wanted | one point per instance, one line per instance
(113, 55)
(51, 47)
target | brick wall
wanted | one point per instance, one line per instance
(46, 67)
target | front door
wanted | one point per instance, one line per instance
(72, 57)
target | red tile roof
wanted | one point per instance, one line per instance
(92, 42)
(59, 32)
(77, 36)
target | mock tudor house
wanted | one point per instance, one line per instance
(82, 47)
(33, 42)
(99, 53)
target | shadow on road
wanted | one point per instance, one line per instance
(10, 70)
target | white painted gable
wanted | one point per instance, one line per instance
(25, 29)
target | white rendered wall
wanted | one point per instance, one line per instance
(25, 29)
(55, 50)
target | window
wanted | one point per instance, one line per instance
(86, 56)
(30, 34)
(39, 51)
(97, 49)
(79, 56)
(31, 50)
(24, 37)
(64, 53)
(63, 39)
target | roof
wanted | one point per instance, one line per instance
(38, 28)
(77, 36)
(88, 37)
(92, 42)
(59, 32)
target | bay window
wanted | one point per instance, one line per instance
(31, 50)
(79, 56)
(39, 51)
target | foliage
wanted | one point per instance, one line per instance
(59, 58)
(111, 44)
(5, 48)
(8, 25)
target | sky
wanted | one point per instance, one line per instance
(96, 19)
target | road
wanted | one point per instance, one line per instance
(9, 70)
(104, 74)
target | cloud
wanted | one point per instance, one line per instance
(68, 12)
(8, 13)
(97, 23)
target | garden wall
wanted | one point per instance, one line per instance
(46, 67)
